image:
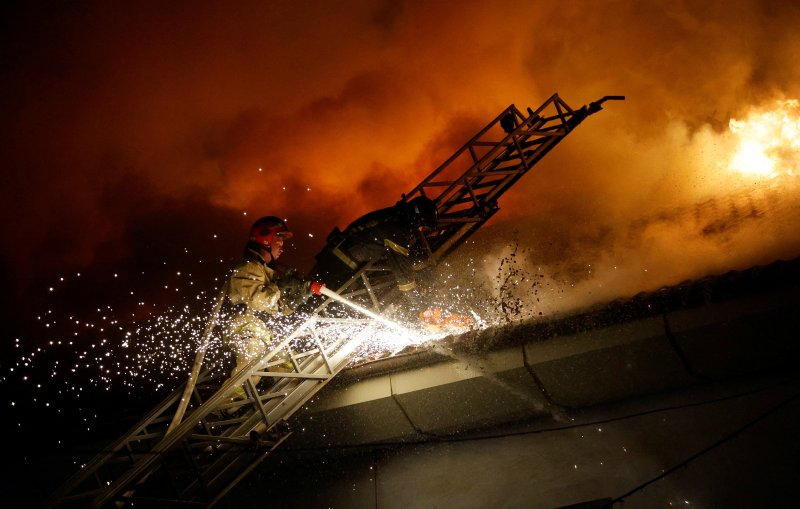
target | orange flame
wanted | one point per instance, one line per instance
(768, 142)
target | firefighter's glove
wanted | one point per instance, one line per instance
(290, 284)
(292, 288)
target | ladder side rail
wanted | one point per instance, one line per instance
(512, 178)
(349, 289)
(245, 472)
(477, 188)
(215, 485)
(257, 402)
(476, 141)
(531, 161)
(555, 136)
(508, 170)
(460, 235)
(322, 351)
(472, 153)
(111, 452)
(300, 356)
(378, 282)
(67, 500)
(509, 144)
(197, 472)
(456, 186)
(278, 374)
(501, 186)
(491, 160)
(553, 99)
(185, 427)
(454, 221)
(309, 387)
(317, 367)
(315, 373)
(472, 198)
(473, 224)
(281, 411)
(175, 466)
(460, 151)
(368, 287)
(199, 402)
(477, 199)
(198, 361)
(525, 163)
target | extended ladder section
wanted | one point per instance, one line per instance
(467, 186)
(198, 443)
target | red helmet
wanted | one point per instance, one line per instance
(264, 230)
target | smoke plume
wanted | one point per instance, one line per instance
(320, 113)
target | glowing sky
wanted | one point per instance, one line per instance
(141, 140)
(120, 118)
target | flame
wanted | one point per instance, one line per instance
(768, 142)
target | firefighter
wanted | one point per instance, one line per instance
(389, 232)
(259, 295)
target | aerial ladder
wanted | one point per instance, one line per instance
(189, 452)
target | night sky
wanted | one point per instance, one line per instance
(140, 140)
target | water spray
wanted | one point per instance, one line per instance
(388, 323)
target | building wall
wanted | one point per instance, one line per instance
(599, 453)
(546, 417)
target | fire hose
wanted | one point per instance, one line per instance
(364, 311)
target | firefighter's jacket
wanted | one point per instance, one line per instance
(390, 232)
(253, 291)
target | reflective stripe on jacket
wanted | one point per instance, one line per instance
(252, 287)
(252, 284)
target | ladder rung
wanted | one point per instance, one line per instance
(309, 376)
(440, 183)
(460, 220)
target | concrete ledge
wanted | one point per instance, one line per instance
(669, 339)
(740, 337)
(608, 364)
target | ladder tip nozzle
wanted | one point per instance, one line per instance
(611, 98)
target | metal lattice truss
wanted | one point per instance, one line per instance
(198, 443)
(193, 447)
(467, 186)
